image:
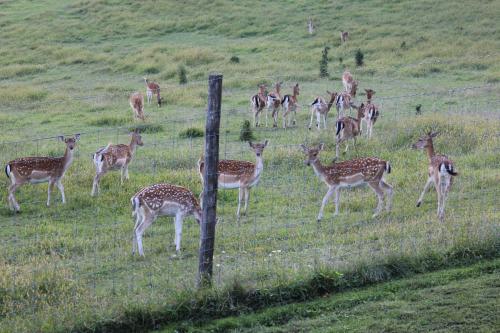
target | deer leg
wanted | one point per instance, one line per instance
(267, 115)
(380, 195)
(285, 114)
(389, 192)
(438, 190)
(312, 116)
(337, 145)
(146, 221)
(337, 200)
(327, 196)
(240, 198)
(138, 221)
(178, 232)
(95, 184)
(444, 185)
(49, 189)
(61, 189)
(122, 174)
(12, 197)
(247, 196)
(275, 118)
(427, 184)
(126, 171)
(324, 120)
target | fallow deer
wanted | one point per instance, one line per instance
(290, 104)
(352, 173)
(321, 108)
(441, 172)
(370, 116)
(153, 88)
(344, 35)
(36, 170)
(136, 101)
(348, 128)
(274, 103)
(114, 157)
(343, 101)
(258, 103)
(350, 85)
(242, 175)
(369, 94)
(162, 200)
(310, 26)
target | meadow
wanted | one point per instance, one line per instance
(69, 67)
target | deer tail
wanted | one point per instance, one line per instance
(340, 125)
(7, 170)
(388, 168)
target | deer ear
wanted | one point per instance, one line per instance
(266, 142)
(60, 138)
(77, 136)
(321, 146)
(304, 148)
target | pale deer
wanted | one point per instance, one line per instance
(441, 172)
(242, 175)
(352, 173)
(258, 103)
(274, 103)
(162, 200)
(371, 114)
(114, 157)
(290, 104)
(310, 26)
(348, 128)
(343, 101)
(34, 170)
(321, 108)
(350, 85)
(136, 101)
(153, 88)
(344, 35)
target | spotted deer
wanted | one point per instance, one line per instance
(258, 103)
(344, 36)
(136, 101)
(242, 175)
(153, 88)
(34, 170)
(441, 172)
(162, 200)
(352, 173)
(348, 128)
(321, 108)
(274, 103)
(350, 85)
(290, 104)
(114, 157)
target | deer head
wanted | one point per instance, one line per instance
(258, 148)
(425, 141)
(70, 142)
(136, 137)
(312, 153)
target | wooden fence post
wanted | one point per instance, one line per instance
(211, 156)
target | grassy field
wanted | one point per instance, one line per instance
(454, 300)
(68, 68)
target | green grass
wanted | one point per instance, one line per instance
(69, 68)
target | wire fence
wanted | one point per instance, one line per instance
(88, 241)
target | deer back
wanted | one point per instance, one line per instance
(362, 169)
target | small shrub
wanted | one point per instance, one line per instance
(359, 57)
(148, 128)
(341, 60)
(403, 45)
(418, 109)
(191, 132)
(235, 60)
(323, 63)
(108, 121)
(246, 132)
(182, 74)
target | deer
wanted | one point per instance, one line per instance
(258, 103)
(343, 101)
(441, 172)
(35, 170)
(153, 88)
(348, 128)
(321, 108)
(162, 200)
(351, 173)
(136, 101)
(274, 103)
(290, 104)
(344, 35)
(242, 175)
(310, 26)
(350, 85)
(114, 157)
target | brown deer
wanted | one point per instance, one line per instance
(343, 101)
(290, 104)
(153, 88)
(352, 173)
(441, 172)
(274, 103)
(242, 175)
(258, 103)
(136, 101)
(350, 85)
(348, 128)
(114, 157)
(162, 200)
(369, 94)
(321, 108)
(34, 170)
(344, 36)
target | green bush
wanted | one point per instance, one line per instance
(359, 57)
(246, 132)
(235, 60)
(323, 63)
(182, 74)
(191, 132)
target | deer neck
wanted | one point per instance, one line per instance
(132, 146)
(319, 169)
(67, 159)
(330, 104)
(430, 151)
(259, 166)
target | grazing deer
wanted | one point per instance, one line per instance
(344, 35)
(242, 175)
(258, 102)
(136, 101)
(36, 170)
(114, 157)
(274, 103)
(321, 108)
(290, 104)
(310, 26)
(441, 172)
(162, 200)
(153, 88)
(343, 101)
(348, 128)
(350, 85)
(352, 173)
